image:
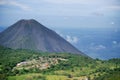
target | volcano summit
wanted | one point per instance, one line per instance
(31, 35)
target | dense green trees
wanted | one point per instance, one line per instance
(111, 75)
(85, 65)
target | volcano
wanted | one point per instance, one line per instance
(31, 35)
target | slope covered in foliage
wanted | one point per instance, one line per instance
(68, 66)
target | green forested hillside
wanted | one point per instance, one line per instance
(30, 65)
(111, 75)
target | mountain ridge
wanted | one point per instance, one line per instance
(30, 34)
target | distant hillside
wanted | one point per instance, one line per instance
(30, 34)
(1, 29)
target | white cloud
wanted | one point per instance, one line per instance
(113, 7)
(58, 32)
(98, 47)
(2, 2)
(71, 39)
(114, 42)
(15, 3)
(76, 1)
(110, 7)
(64, 1)
(112, 23)
(97, 14)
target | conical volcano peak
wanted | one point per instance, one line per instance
(27, 23)
(28, 20)
(30, 34)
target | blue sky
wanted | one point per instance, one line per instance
(62, 13)
(93, 26)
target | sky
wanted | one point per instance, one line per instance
(62, 13)
(90, 25)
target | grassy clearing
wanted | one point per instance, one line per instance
(33, 76)
(37, 76)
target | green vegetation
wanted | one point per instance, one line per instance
(33, 76)
(110, 75)
(30, 65)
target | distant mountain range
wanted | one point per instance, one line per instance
(30, 34)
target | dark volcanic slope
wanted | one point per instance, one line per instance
(30, 34)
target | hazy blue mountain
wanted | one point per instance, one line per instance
(30, 34)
